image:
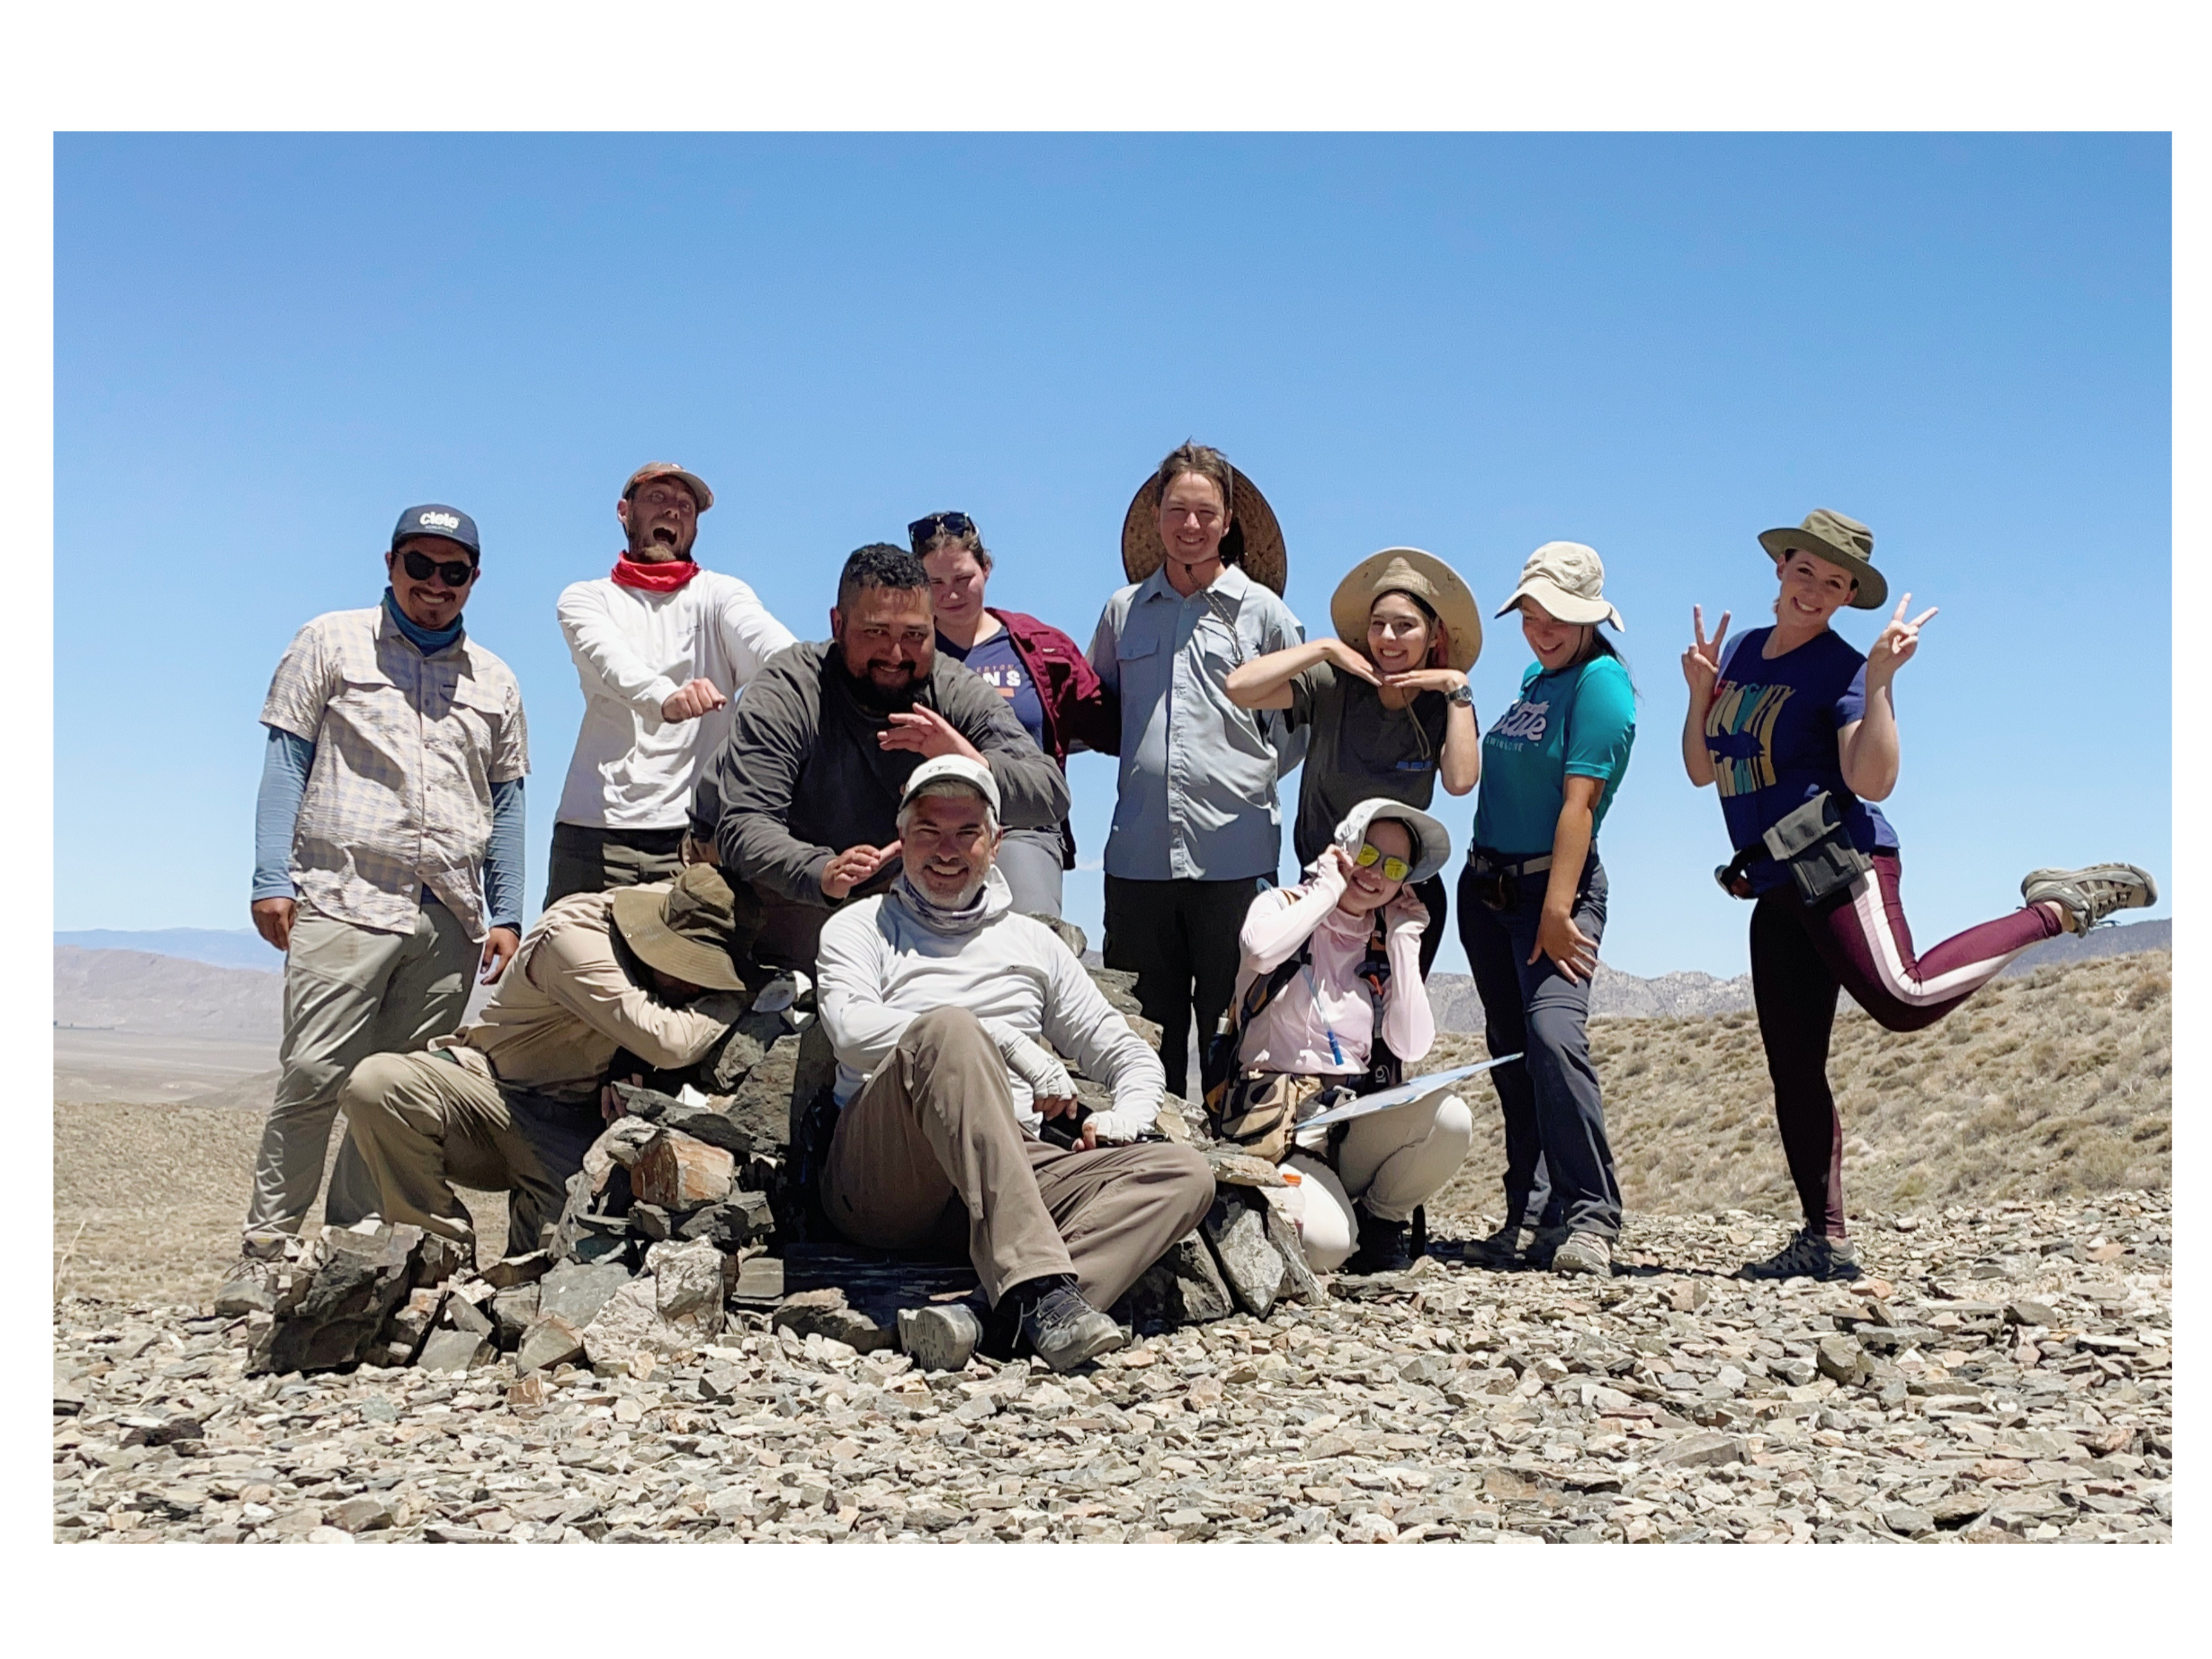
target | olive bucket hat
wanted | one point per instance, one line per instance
(687, 928)
(1840, 541)
(1424, 577)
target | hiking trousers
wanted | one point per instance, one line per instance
(930, 1152)
(1857, 940)
(349, 992)
(423, 1121)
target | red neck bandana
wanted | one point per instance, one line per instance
(664, 577)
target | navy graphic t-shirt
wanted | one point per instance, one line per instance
(1000, 666)
(1772, 733)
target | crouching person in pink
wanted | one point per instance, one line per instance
(956, 1124)
(1329, 997)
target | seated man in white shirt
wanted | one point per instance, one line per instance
(661, 646)
(935, 996)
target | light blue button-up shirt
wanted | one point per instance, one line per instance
(1197, 799)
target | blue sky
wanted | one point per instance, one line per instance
(265, 346)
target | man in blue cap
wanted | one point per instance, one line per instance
(387, 858)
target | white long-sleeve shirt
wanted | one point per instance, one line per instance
(1293, 1032)
(633, 650)
(880, 968)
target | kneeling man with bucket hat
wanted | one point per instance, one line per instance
(511, 1103)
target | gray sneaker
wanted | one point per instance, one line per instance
(2089, 894)
(1064, 1330)
(1585, 1253)
(1807, 1255)
(252, 1286)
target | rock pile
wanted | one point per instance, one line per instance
(2005, 1375)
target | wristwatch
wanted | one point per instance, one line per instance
(1463, 698)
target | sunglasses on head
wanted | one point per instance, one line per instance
(1394, 868)
(454, 573)
(939, 524)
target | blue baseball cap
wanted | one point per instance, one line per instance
(435, 519)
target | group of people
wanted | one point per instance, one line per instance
(885, 813)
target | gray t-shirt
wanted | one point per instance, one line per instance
(1359, 750)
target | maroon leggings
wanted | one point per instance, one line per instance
(1857, 940)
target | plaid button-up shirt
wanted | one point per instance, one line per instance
(407, 748)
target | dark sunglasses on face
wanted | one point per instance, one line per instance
(939, 524)
(454, 573)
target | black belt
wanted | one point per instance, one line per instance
(1486, 863)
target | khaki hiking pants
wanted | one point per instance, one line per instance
(349, 992)
(421, 1122)
(931, 1149)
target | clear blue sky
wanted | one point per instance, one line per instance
(265, 346)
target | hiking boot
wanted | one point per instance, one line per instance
(1807, 1255)
(1585, 1253)
(1059, 1327)
(1502, 1248)
(1384, 1247)
(2086, 896)
(1539, 1249)
(252, 1286)
(941, 1337)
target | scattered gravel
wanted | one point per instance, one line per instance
(2004, 1374)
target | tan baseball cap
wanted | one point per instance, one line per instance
(692, 481)
(1568, 580)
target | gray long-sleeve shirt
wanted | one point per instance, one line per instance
(1197, 798)
(801, 777)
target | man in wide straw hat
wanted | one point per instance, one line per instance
(1196, 822)
(512, 1102)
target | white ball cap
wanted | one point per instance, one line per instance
(953, 768)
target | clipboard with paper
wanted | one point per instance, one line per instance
(1405, 1094)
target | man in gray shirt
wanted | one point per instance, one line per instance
(802, 800)
(1196, 826)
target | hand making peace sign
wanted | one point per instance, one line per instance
(1898, 641)
(1701, 663)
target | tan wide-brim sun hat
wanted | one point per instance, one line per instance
(1568, 580)
(1428, 579)
(1254, 544)
(1840, 541)
(685, 928)
(1432, 841)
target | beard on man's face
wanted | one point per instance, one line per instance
(872, 693)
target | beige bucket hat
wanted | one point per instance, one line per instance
(1568, 580)
(1428, 579)
(1254, 544)
(1432, 841)
(1840, 541)
(685, 927)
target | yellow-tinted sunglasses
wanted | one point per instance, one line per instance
(1393, 869)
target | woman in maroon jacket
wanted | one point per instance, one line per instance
(1044, 674)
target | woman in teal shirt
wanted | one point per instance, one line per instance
(1532, 910)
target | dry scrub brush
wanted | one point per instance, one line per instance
(2055, 1083)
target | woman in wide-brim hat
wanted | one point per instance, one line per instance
(1779, 718)
(1386, 700)
(1532, 906)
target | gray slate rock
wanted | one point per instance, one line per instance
(455, 1350)
(342, 1293)
(577, 1289)
(1250, 1265)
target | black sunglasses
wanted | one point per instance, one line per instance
(455, 573)
(939, 524)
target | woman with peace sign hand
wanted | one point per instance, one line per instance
(1799, 731)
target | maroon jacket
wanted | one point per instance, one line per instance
(1080, 710)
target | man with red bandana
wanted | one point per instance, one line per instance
(661, 646)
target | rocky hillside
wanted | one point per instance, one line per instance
(142, 992)
(2057, 1084)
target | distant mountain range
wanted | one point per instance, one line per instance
(135, 981)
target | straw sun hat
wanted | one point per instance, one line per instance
(1428, 579)
(1254, 544)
